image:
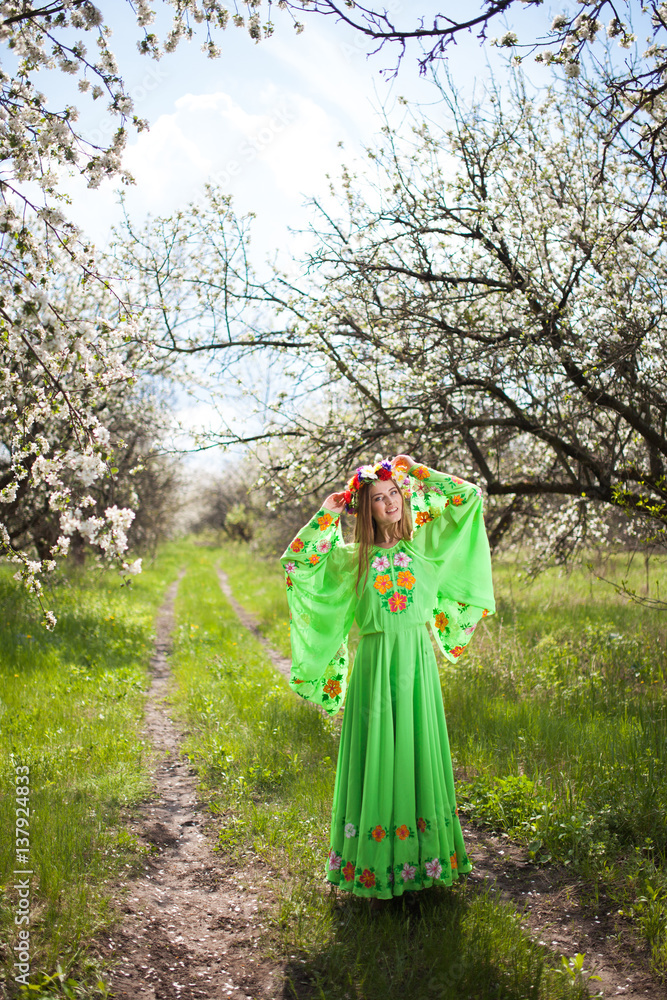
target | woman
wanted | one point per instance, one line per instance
(394, 825)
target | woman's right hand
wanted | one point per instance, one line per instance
(335, 502)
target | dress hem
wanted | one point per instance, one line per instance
(427, 883)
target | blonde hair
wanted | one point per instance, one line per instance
(365, 528)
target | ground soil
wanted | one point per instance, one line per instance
(562, 912)
(192, 924)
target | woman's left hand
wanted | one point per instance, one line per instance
(403, 462)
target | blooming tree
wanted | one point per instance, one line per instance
(480, 299)
(486, 292)
(75, 427)
(63, 360)
(67, 350)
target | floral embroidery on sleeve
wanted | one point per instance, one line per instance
(420, 472)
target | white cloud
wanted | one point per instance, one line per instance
(269, 154)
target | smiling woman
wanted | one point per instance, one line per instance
(395, 825)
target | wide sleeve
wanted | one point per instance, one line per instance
(449, 530)
(320, 577)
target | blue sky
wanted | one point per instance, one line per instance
(265, 120)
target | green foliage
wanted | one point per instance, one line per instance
(560, 726)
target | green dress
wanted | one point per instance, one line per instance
(394, 821)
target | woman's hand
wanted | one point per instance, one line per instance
(403, 462)
(335, 502)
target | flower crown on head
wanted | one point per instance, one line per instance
(365, 474)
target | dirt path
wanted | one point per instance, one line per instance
(191, 927)
(280, 662)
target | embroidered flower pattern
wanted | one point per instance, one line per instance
(433, 868)
(457, 650)
(383, 583)
(395, 590)
(406, 579)
(420, 472)
(334, 861)
(290, 567)
(332, 688)
(457, 500)
(380, 563)
(313, 559)
(441, 621)
(398, 602)
(409, 871)
(296, 545)
(423, 517)
(325, 521)
(323, 546)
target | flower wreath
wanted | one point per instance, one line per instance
(369, 474)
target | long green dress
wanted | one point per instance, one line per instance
(394, 821)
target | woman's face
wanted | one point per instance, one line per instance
(386, 502)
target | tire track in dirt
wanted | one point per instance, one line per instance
(282, 664)
(191, 927)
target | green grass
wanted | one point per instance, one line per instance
(259, 585)
(71, 704)
(558, 724)
(557, 717)
(267, 764)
